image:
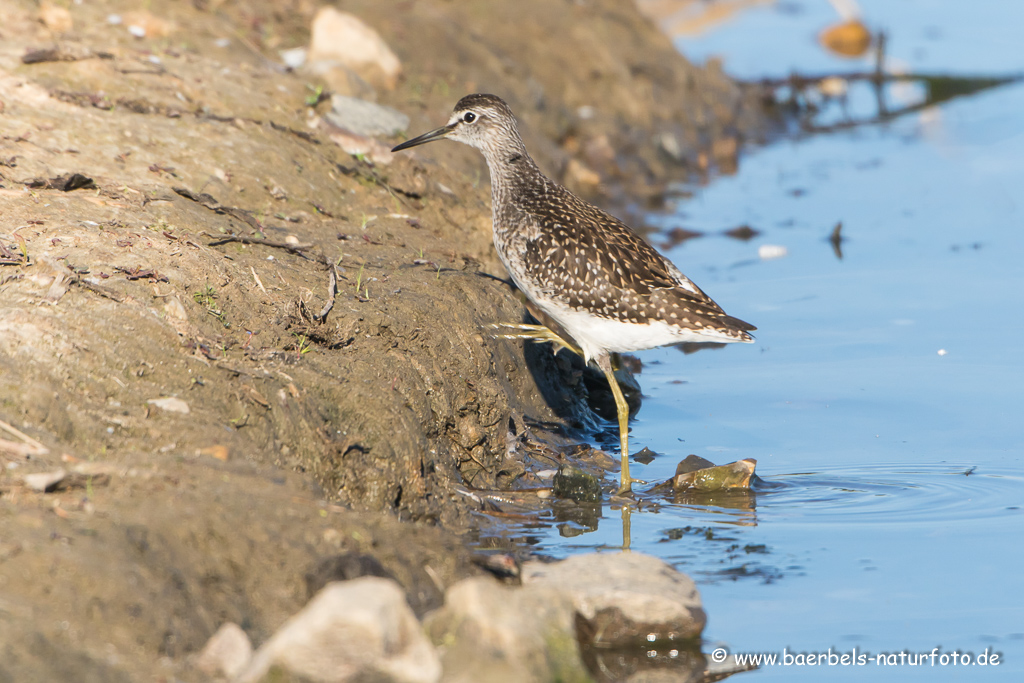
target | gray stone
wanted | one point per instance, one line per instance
(365, 118)
(226, 653)
(624, 599)
(490, 632)
(352, 630)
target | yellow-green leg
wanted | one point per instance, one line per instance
(537, 333)
(625, 482)
(627, 510)
(541, 333)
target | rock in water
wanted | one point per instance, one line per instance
(352, 630)
(735, 475)
(624, 598)
(575, 484)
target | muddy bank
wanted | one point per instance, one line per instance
(302, 437)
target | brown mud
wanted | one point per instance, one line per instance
(366, 431)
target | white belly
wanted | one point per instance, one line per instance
(599, 335)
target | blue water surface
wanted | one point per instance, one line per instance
(884, 399)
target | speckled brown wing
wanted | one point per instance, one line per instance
(592, 261)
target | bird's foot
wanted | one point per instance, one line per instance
(537, 333)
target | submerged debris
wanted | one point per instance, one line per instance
(743, 233)
(836, 240)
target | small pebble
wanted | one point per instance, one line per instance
(44, 481)
(293, 58)
(170, 404)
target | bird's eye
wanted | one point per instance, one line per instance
(470, 117)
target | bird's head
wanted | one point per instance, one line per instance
(481, 121)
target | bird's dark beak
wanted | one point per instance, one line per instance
(439, 134)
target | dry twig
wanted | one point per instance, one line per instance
(296, 249)
(332, 290)
(29, 446)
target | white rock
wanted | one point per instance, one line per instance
(344, 38)
(226, 653)
(627, 598)
(351, 630)
(42, 481)
(493, 632)
(170, 404)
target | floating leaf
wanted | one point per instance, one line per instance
(847, 39)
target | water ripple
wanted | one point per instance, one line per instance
(890, 493)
